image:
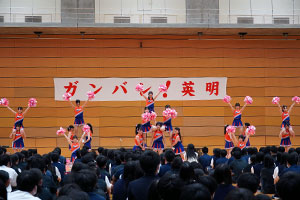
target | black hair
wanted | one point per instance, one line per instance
(4, 159)
(217, 152)
(176, 164)
(190, 151)
(87, 158)
(86, 179)
(169, 155)
(149, 162)
(132, 171)
(268, 161)
(4, 176)
(223, 153)
(225, 129)
(18, 125)
(240, 194)
(186, 172)
(150, 92)
(273, 149)
(100, 150)
(242, 137)
(209, 182)
(37, 162)
(288, 186)
(159, 124)
(204, 150)
(253, 159)
(68, 188)
(57, 150)
(146, 108)
(54, 157)
(14, 159)
(237, 154)
(101, 161)
(247, 124)
(195, 191)
(75, 137)
(260, 157)
(222, 174)
(237, 104)
(169, 187)
(262, 197)
(292, 158)
(138, 128)
(91, 127)
(28, 179)
(283, 106)
(3, 191)
(167, 106)
(281, 149)
(248, 181)
(20, 108)
(70, 127)
(77, 101)
(179, 133)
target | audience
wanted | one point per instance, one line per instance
(146, 175)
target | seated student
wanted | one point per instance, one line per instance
(4, 182)
(169, 187)
(240, 194)
(205, 158)
(175, 166)
(56, 163)
(191, 154)
(252, 163)
(101, 162)
(5, 166)
(138, 189)
(209, 182)
(169, 155)
(262, 197)
(256, 169)
(288, 186)
(266, 175)
(73, 192)
(222, 159)
(248, 181)
(222, 174)
(28, 182)
(62, 159)
(195, 191)
(292, 160)
(237, 165)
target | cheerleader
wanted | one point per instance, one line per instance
(228, 142)
(285, 115)
(150, 100)
(285, 134)
(75, 145)
(88, 137)
(168, 121)
(176, 143)
(19, 117)
(71, 133)
(244, 134)
(241, 142)
(78, 110)
(146, 125)
(237, 115)
(158, 139)
(18, 138)
(139, 140)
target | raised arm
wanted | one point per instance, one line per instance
(233, 139)
(243, 107)
(72, 104)
(157, 95)
(85, 103)
(280, 110)
(291, 107)
(68, 139)
(26, 110)
(80, 141)
(231, 107)
(143, 95)
(11, 110)
(12, 134)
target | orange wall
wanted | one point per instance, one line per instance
(260, 68)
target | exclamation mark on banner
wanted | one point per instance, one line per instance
(168, 83)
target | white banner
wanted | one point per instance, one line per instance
(123, 89)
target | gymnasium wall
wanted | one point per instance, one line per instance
(261, 68)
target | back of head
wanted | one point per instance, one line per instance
(288, 186)
(4, 176)
(237, 154)
(101, 161)
(54, 157)
(204, 150)
(29, 179)
(273, 149)
(3, 192)
(262, 197)
(222, 174)
(248, 181)
(240, 194)
(223, 153)
(89, 157)
(169, 155)
(4, 159)
(132, 171)
(176, 164)
(195, 191)
(268, 161)
(186, 172)
(169, 187)
(58, 150)
(260, 157)
(190, 151)
(100, 150)
(281, 149)
(37, 162)
(208, 182)
(292, 158)
(217, 152)
(86, 179)
(149, 162)
(77, 166)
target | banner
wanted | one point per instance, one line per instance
(123, 89)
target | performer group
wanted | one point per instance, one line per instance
(152, 128)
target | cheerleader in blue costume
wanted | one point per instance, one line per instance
(139, 140)
(158, 139)
(237, 115)
(88, 137)
(78, 111)
(177, 144)
(146, 125)
(150, 100)
(18, 139)
(75, 145)
(285, 135)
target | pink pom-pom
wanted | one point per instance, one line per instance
(67, 96)
(275, 100)
(146, 116)
(296, 99)
(4, 102)
(248, 100)
(173, 114)
(139, 87)
(251, 130)
(86, 128)
(32, 102)
(61, 131)
(230, 129)
(227, 99)
(91, 95)
(153, 116)
(163, 88)
(167, 112)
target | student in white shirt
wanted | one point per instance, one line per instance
(5, 166)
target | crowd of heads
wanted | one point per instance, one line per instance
(115, 173)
